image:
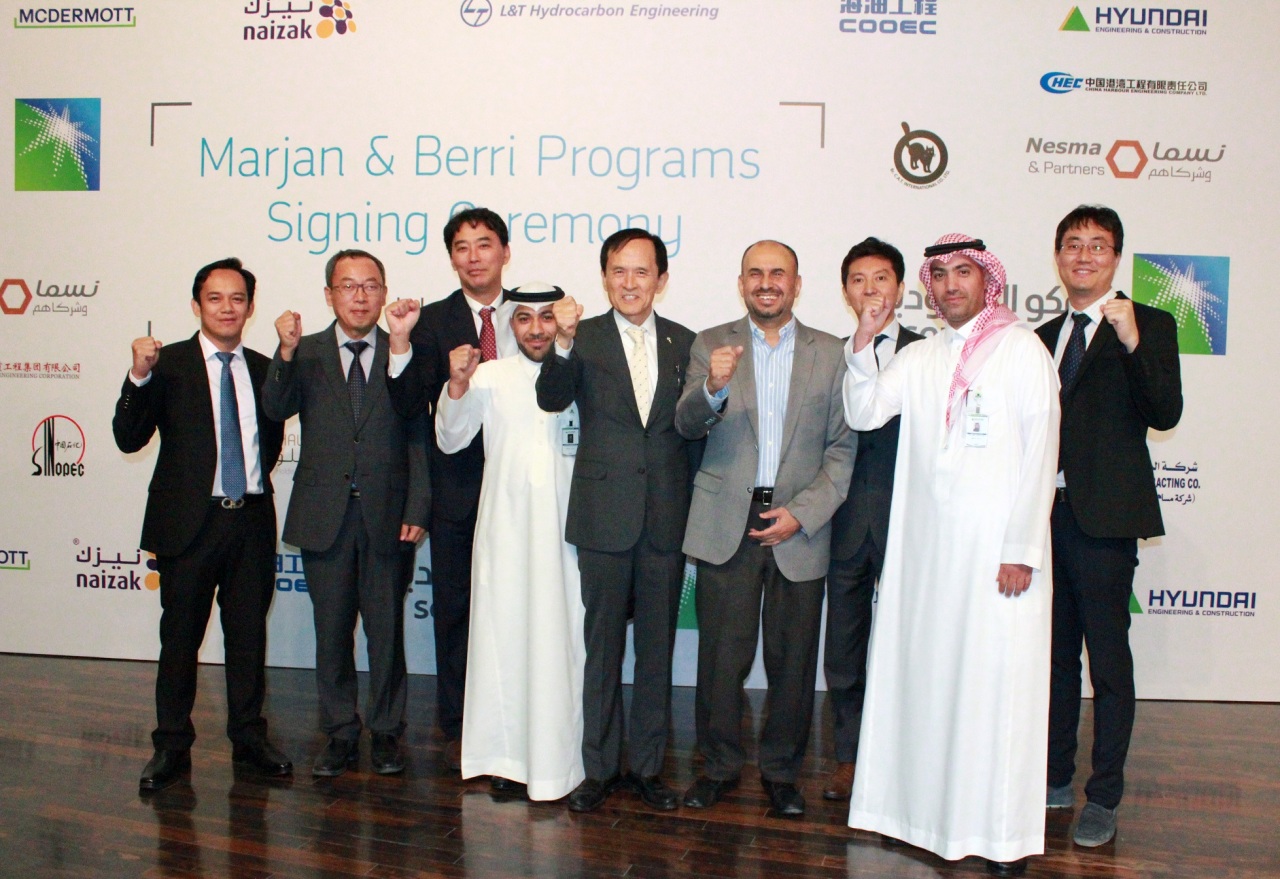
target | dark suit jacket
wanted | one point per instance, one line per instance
(384, 454)
(1116, 397)
(817, 450)
(176, 402)
(627, 475)
(442, 326)
(864, 515)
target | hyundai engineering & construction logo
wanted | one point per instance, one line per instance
(1191, 288)
(57, 144)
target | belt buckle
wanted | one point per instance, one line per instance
(228, 504)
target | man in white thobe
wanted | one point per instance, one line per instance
(522, 723)
(954, 728)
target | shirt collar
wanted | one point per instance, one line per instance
(650, 324)
(371, 337)
(499, 305)
(1095, 308)
(210, 350)
(786, 334)
(963, 332)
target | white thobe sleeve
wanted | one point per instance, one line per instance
(871, 397)
(1035, 408)
(458, 421)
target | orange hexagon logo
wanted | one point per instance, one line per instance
(5, 296)
(1126, 153)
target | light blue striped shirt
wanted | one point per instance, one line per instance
(773, 384)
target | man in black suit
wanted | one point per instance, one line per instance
(210, 519)
(627, 508)
(1118, 361)
(358, 507)
(421, 339)
(860, 527)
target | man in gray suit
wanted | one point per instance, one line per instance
(765, 391)
(359, 505)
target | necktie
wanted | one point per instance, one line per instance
(234, 481)
(1074, 352)
(488, 339)
(876, 344)
(356, 377)
(638, 362)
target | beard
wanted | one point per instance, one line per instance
(535, 356)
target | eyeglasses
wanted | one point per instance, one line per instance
(349, 288)
(1097, 248)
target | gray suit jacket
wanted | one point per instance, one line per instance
(384, 454)
(816, 459)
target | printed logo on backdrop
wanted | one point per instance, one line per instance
(39, 369)
(897, 17)
(1033, 308)
(1123, 159)
(57, 447)
(57, 144)
(74, 17)
(56, 298)
(297, 20)
(128, 571)
(477, 13)
(919, 158)
(1191, 288)
(1057, 82)
(291, 450)
(1177, 484)
(1153, 20)
(15, 559)
(1196, 603)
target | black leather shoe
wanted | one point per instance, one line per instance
(337, 757)
(706, 792)
(262, 757)
(385, 757)
(654, 793)
(500, 785)
(163, 769)
(784, 797)
(1007, 868)
(591, 794)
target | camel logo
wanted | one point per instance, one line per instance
(1191, 288)
(57, 144)
(919, 157)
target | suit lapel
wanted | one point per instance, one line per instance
(462, 325)
(744, 377)
(203, 405)
(375, 391)
(802, 360)
(615, 360)
(331, 363)
(667, 392)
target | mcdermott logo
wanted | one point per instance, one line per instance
(15, 296)
(75, 17)
(919, 157)
(475, 13)
(1191, 288)
(15, 560)
(56, 144)
(57, 447)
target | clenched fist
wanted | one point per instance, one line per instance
(871, 320)
(289, 329)
(146, 351)
(463, 361)
(402, 316)
(1119, 313)
(568, 312)
(723, 364)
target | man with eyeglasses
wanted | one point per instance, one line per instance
(1118, 364)
(358, 509)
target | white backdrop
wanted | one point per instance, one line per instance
(238, 128)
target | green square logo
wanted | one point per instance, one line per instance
(57, 144)
(1191, 288)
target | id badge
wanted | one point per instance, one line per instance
(976, 424)
(568, 425)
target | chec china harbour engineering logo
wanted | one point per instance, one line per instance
(1060, 82)
(1191, 288)
(57, 144)
(57, 447)
(919, 158)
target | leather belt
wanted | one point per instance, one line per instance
(228, 504)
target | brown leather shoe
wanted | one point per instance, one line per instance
(453, 755)
(840, 784)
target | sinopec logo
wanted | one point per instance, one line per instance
(57, 447)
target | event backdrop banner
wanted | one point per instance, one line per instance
(140, 142)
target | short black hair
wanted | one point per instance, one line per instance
(623, 237)
(1098, 215)
(230, 263)
(474, 217)
(873, 247)
(794, 259)
(351, 254)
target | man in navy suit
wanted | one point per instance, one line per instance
(210, 519)
(1118, 362)
(358, 507)
(627, 508)
(478, 315)
(860, 527)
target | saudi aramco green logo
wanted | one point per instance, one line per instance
(1191, 288)
(57, 144)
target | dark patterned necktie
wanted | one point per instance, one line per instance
(356, 377)
(876, 344)
(488, 338)
(234, 481)
(1074, 352)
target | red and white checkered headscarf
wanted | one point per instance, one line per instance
(994, 318)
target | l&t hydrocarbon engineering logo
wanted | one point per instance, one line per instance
(57, 447)
(919, 158)
(1152, 20)
(1058, 82)
(1191, 288)
(476, 13)
(57, 144)
(284, 21)
(906, 17)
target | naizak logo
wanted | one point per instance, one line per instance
(57, 144)
(1191, 288)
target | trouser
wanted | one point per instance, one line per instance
(851, 585)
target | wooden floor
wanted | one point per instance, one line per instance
(1203, 800)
